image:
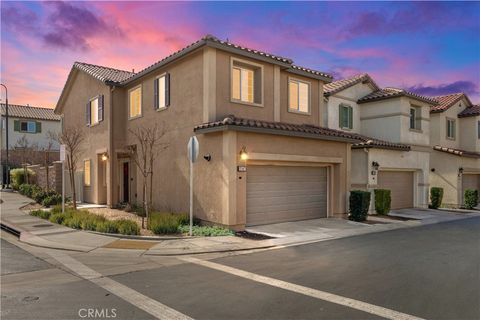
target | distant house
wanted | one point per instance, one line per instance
(34, 124)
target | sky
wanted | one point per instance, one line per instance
(430, 48)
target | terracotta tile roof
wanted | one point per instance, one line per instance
(339, 85)
(28, 112)
(315, 72)
(303, 130)
(389, 92)
(446, 101)
(457, 152)
(470, 111)
(104, 73)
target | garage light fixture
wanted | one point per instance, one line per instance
(104, 157)
(375, 165)
(244, 154)
(460, 171)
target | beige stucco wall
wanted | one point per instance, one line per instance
(469, 139)
(348, 97)
(446, 175)
(390, 120)
(439, 126)
(85, 87)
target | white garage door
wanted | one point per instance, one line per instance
(282, 193)
(400, 183)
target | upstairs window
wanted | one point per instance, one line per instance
(135, 102)
(478, 129)
(345, 113)
(94, 111)
(86, 172)
(27, 126)
(415, 120)
(162, 91)
(299, 96)
(450, 128)
(246, 83)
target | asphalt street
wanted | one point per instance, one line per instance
(429, 272)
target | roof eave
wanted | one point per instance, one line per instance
(359, 146)
(309, 75)
(275, 132)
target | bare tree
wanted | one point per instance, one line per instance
(47, 149)
(27, 153)
(72, 138)
(148, 146)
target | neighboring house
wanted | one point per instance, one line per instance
(455, 143)
(234, 99)
(34, 124)
(400, 160)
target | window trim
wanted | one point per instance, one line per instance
(90, 175)
(348, 107)
(293, 79)
(164, 74)
(141, 102)
(417, 120)
(447, 121)
(262, 82)
(27, 122)
(90, 104)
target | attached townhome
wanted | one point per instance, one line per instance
(237, 101)
(397, 158)
(31, 123)
(455, 143)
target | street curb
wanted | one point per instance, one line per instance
(149, 238)
(213, 251)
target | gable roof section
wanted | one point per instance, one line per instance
(299, 130)
(457, 152)
(389, 92)
(340, 85)
(446, 101)
(104, 74)
(28, 112)
(470, 111)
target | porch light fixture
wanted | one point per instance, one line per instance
(104, 157)
(460, 171)
(244, 154)
(207, 157)
(375, 165)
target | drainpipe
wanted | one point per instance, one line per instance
(112, 157)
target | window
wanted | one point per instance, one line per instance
(345, 117)
(135, 102)
(246, 82)
(299, 96)
(162, 91)
(478, 129)
(450, 129)
(86, 173)
(27, 126)
(94, 110)
(415, 121)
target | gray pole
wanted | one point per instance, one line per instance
(6, 135)
(191, 194)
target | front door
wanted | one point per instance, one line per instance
(126, 183)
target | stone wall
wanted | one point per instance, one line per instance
(15, 157)
(54, 175)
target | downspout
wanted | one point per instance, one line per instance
(112, 157)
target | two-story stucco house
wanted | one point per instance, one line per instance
(34, 124)
(455, 142)
(400, 162)
(234, 99)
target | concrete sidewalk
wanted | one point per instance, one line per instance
(39, 232)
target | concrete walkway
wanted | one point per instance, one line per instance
(39, 232)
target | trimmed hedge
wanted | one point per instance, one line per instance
(383, 200)
(471, 198)
(359, 204)
(436, 197)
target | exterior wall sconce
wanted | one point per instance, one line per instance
(460, 171)
(433, 169)
(244, 154)
(104, 157)
(375, 165)
(207, 157)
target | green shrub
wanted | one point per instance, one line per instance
(57, 218)
(166, 223)
(471, 198)
(206, 231)
(107, 227)
(436, 197)
(26, 189)
(17, 177)
(127, 227)
(382, 201)
(41, 214)
(52, 199)
(74, 222)
(90, 221)
(359, 204)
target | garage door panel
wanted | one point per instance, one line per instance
(281, 193)
(400, 183)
